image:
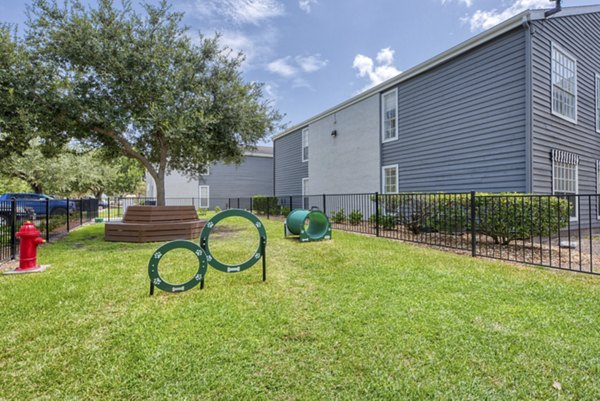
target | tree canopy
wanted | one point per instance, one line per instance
(138, 85)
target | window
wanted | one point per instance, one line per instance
(204, 194)
(565, 178)
(389, 117)
(564, 84)
(598, 103)
(305, 145)
(390, 179)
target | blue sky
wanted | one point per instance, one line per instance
(314, 54)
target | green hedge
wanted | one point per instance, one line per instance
(339, 216)
(355, 217)
(262, 204)
(503, 217)
(508, 217)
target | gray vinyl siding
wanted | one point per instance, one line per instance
(226, 182)
(462, 125)
(579, 36)
(252, 177)
(289, 167)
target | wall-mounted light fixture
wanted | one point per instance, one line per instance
(334, 133)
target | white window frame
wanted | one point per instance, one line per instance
(304, 184)
(597, 108)
(383, 169)
(200, 205)
(576, 217)
(305, 134)
(383, 96)
(554, 46)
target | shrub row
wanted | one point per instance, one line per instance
(503, 217)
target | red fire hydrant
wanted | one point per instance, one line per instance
(30, 239)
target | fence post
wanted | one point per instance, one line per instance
(80, 212)
(108, 209)
(238, 204)
(68, 216)
(251, 203)
(13, 228)
(377, 214)
(118, 206)
(473, 216)
(47, 220)
(324, 205)
(291, 204)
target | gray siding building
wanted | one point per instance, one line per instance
(513, 109)
(222, 183)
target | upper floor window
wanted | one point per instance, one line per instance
(390, 179)
(598, 103)
(389, 117)
(305, 145)
(564, 84)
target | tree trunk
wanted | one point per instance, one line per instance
(37, 188)
(160, 189)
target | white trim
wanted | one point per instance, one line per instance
(597, 105)
(383, 95)
(383, 178)
(568, 54)
(200, 197)
(305, 142)
(304, 182)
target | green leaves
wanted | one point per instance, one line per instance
(137, 85)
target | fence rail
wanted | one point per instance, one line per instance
(555, 231)
(51, 217)
(561, 232)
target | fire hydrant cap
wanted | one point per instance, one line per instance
(28, 230)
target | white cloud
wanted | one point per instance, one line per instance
(467, 3)
(241, 11)
(311, 63)
(376, 73)
(305, 5)
(282, 67)
(482, 19)
(289, 67)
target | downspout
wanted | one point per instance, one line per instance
(555, 10)
(527, 29)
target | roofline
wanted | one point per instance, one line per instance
(250, 154)
(477, 40)
(453, 52)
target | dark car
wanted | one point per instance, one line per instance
(21, 212)
(39, 203)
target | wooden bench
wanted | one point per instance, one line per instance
(155, 223)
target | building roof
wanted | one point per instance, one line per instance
(260, 151)
(477, 40)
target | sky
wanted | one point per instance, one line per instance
(314, 54)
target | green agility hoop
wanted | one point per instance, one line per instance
(260, 251)
(158, 281)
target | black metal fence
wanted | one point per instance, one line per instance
(51, 217)
(561, 232)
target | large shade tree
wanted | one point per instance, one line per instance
(138, 85)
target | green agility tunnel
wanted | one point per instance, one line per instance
(310, 225)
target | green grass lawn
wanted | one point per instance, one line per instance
(353, 318)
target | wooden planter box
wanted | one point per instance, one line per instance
(155, 224)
